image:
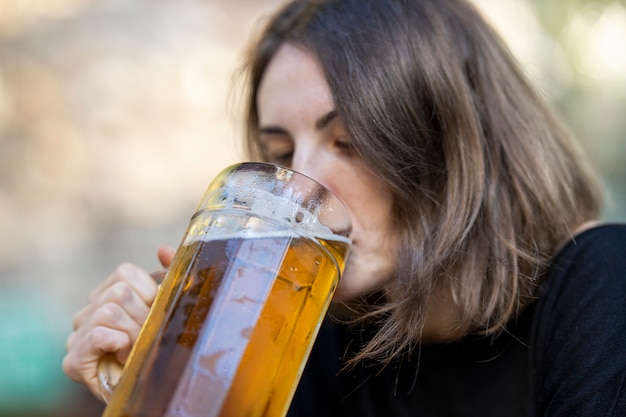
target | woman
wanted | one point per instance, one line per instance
(479, 282)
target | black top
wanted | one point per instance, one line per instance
(565, 356)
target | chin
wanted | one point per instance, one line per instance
(347, 289)
(351, 287)
(343, 296)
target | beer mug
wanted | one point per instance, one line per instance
(238, 311)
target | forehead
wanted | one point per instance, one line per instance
(293, 85)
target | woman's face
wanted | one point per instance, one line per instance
(299, 128)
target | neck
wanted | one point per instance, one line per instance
(442, 318)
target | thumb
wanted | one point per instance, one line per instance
(165, 255)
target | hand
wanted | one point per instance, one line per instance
(110, 323)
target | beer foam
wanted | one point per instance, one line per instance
(269, 205)
(247, 212)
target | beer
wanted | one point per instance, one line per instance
(240, 316)
(236, 316)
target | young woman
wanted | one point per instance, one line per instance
(479, 282)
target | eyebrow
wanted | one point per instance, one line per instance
(323, 121)
(320, 124)
(272, 130)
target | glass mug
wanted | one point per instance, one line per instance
(237, 313)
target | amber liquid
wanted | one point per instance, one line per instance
(231, 329)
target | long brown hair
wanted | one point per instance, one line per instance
(486, 182)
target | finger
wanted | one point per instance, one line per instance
(141, 282)
(109, 329)
(81, 317)
(165, 255)
(120, 293)
(122, 297)
(159, 275)
(113, 316)
(81, 362)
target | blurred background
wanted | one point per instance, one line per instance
(115, 115)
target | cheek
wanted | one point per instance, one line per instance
(369, 204)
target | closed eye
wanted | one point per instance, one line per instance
(283, 159)
(277, 145)
(344, 145)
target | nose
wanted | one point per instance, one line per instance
(302, 160)
(316, 164)
(306, 160)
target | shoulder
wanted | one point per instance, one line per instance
(580, 327)
(594, 259)
(605, 240)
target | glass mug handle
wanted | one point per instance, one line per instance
(109, 369)
(109, 374)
